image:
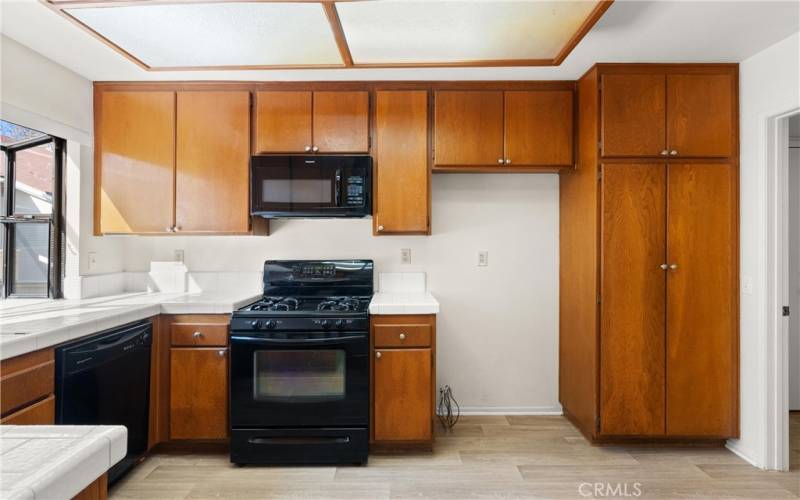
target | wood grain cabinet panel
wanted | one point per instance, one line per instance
(283, 122)
(26, 379)
(40, 413)
(468, 128)
(212, 161)
(134, 162)
(198, 393)
(341, 121)
(633, 114)
(402, 335)
(538, 128)
(402, 200)
(403, 407)
(633, 291)
(702, 349)
(700, 110)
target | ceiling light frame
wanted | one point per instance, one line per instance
(332, 15)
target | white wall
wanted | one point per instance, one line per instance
(498, 327)
(794, 274)
(40, 94)
(769, 85)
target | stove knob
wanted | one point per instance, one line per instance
(325, 324)
(340, 324)
(255, 324)
(270, 325)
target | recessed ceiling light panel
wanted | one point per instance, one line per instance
(217, 34)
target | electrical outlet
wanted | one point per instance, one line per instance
(747, 285)
(405, 256)
(177, 255)
(483, 258)
(91, 260)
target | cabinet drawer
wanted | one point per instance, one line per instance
(199, 334)
(41, 413)
(26, 379)
(409, 335)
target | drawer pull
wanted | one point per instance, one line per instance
(197, 335)
(402, 336)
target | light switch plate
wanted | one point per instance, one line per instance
(483, 258)
(405, 256)
(91, 260)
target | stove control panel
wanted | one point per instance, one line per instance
(299, 324)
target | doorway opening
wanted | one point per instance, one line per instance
(792, 286)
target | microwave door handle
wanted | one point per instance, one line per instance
(338, 188)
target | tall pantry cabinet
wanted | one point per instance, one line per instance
(649, 255)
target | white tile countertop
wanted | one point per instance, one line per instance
(403, 293)
(56, 461)
(30, 324)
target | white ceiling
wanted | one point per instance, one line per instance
(630, 31)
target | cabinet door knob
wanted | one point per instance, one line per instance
(221, 353)
(168, 229)
(500, 161)
(664, 152)
(508, 161)
(664, 267)
(308, 148)
(378, 354)
(315, 149)
(176, 228)
(673, 266)
(402, 336)
(380, 228)
(673, 153)
(197, 335)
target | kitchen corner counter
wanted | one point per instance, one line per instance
(56, 461)
(403, 303)
(27, 325)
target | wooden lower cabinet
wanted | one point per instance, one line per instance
(403, 380)
(98, 490)
(27, 384)
(198, 393)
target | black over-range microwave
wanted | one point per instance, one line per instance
(310, 186)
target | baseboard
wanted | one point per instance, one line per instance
(512, 410)
(732, 445)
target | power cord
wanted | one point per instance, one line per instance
(445, 410)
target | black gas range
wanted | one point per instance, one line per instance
(300, 366)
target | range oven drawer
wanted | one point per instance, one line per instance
(300, 446)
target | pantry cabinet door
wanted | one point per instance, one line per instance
(632, 299)
(468, 128)
(198, 393)
(702, 293)
(633, 114)
(135, 162)
(341, 122)
(402, 200)
(538, 128)
(700, 109)
(212, 161)
(402, 398)
(283, 122)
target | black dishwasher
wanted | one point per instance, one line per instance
(105, 380)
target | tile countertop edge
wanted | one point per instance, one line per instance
(384, 303)
(127, 309)
(80, 455)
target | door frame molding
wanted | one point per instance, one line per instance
(776, 341)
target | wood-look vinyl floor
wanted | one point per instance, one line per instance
(498, 457)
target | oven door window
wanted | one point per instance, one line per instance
(299, 375)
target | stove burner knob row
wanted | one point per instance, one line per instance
(325, 324)
(340, 324)
(258, 324)
(255, 324)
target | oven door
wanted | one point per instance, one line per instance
(302, 380)
(310, 186)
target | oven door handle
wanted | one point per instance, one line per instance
(262, 340)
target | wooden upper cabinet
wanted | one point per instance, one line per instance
(468, 128)
(198, 393)
(283, 122)
(633, 306)
(700, 110)
(402, 200)
(538, 127)
(633, 110)
(212, 161)
(134, 155)
(341, 122)
(702, 291)
(402, 395)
